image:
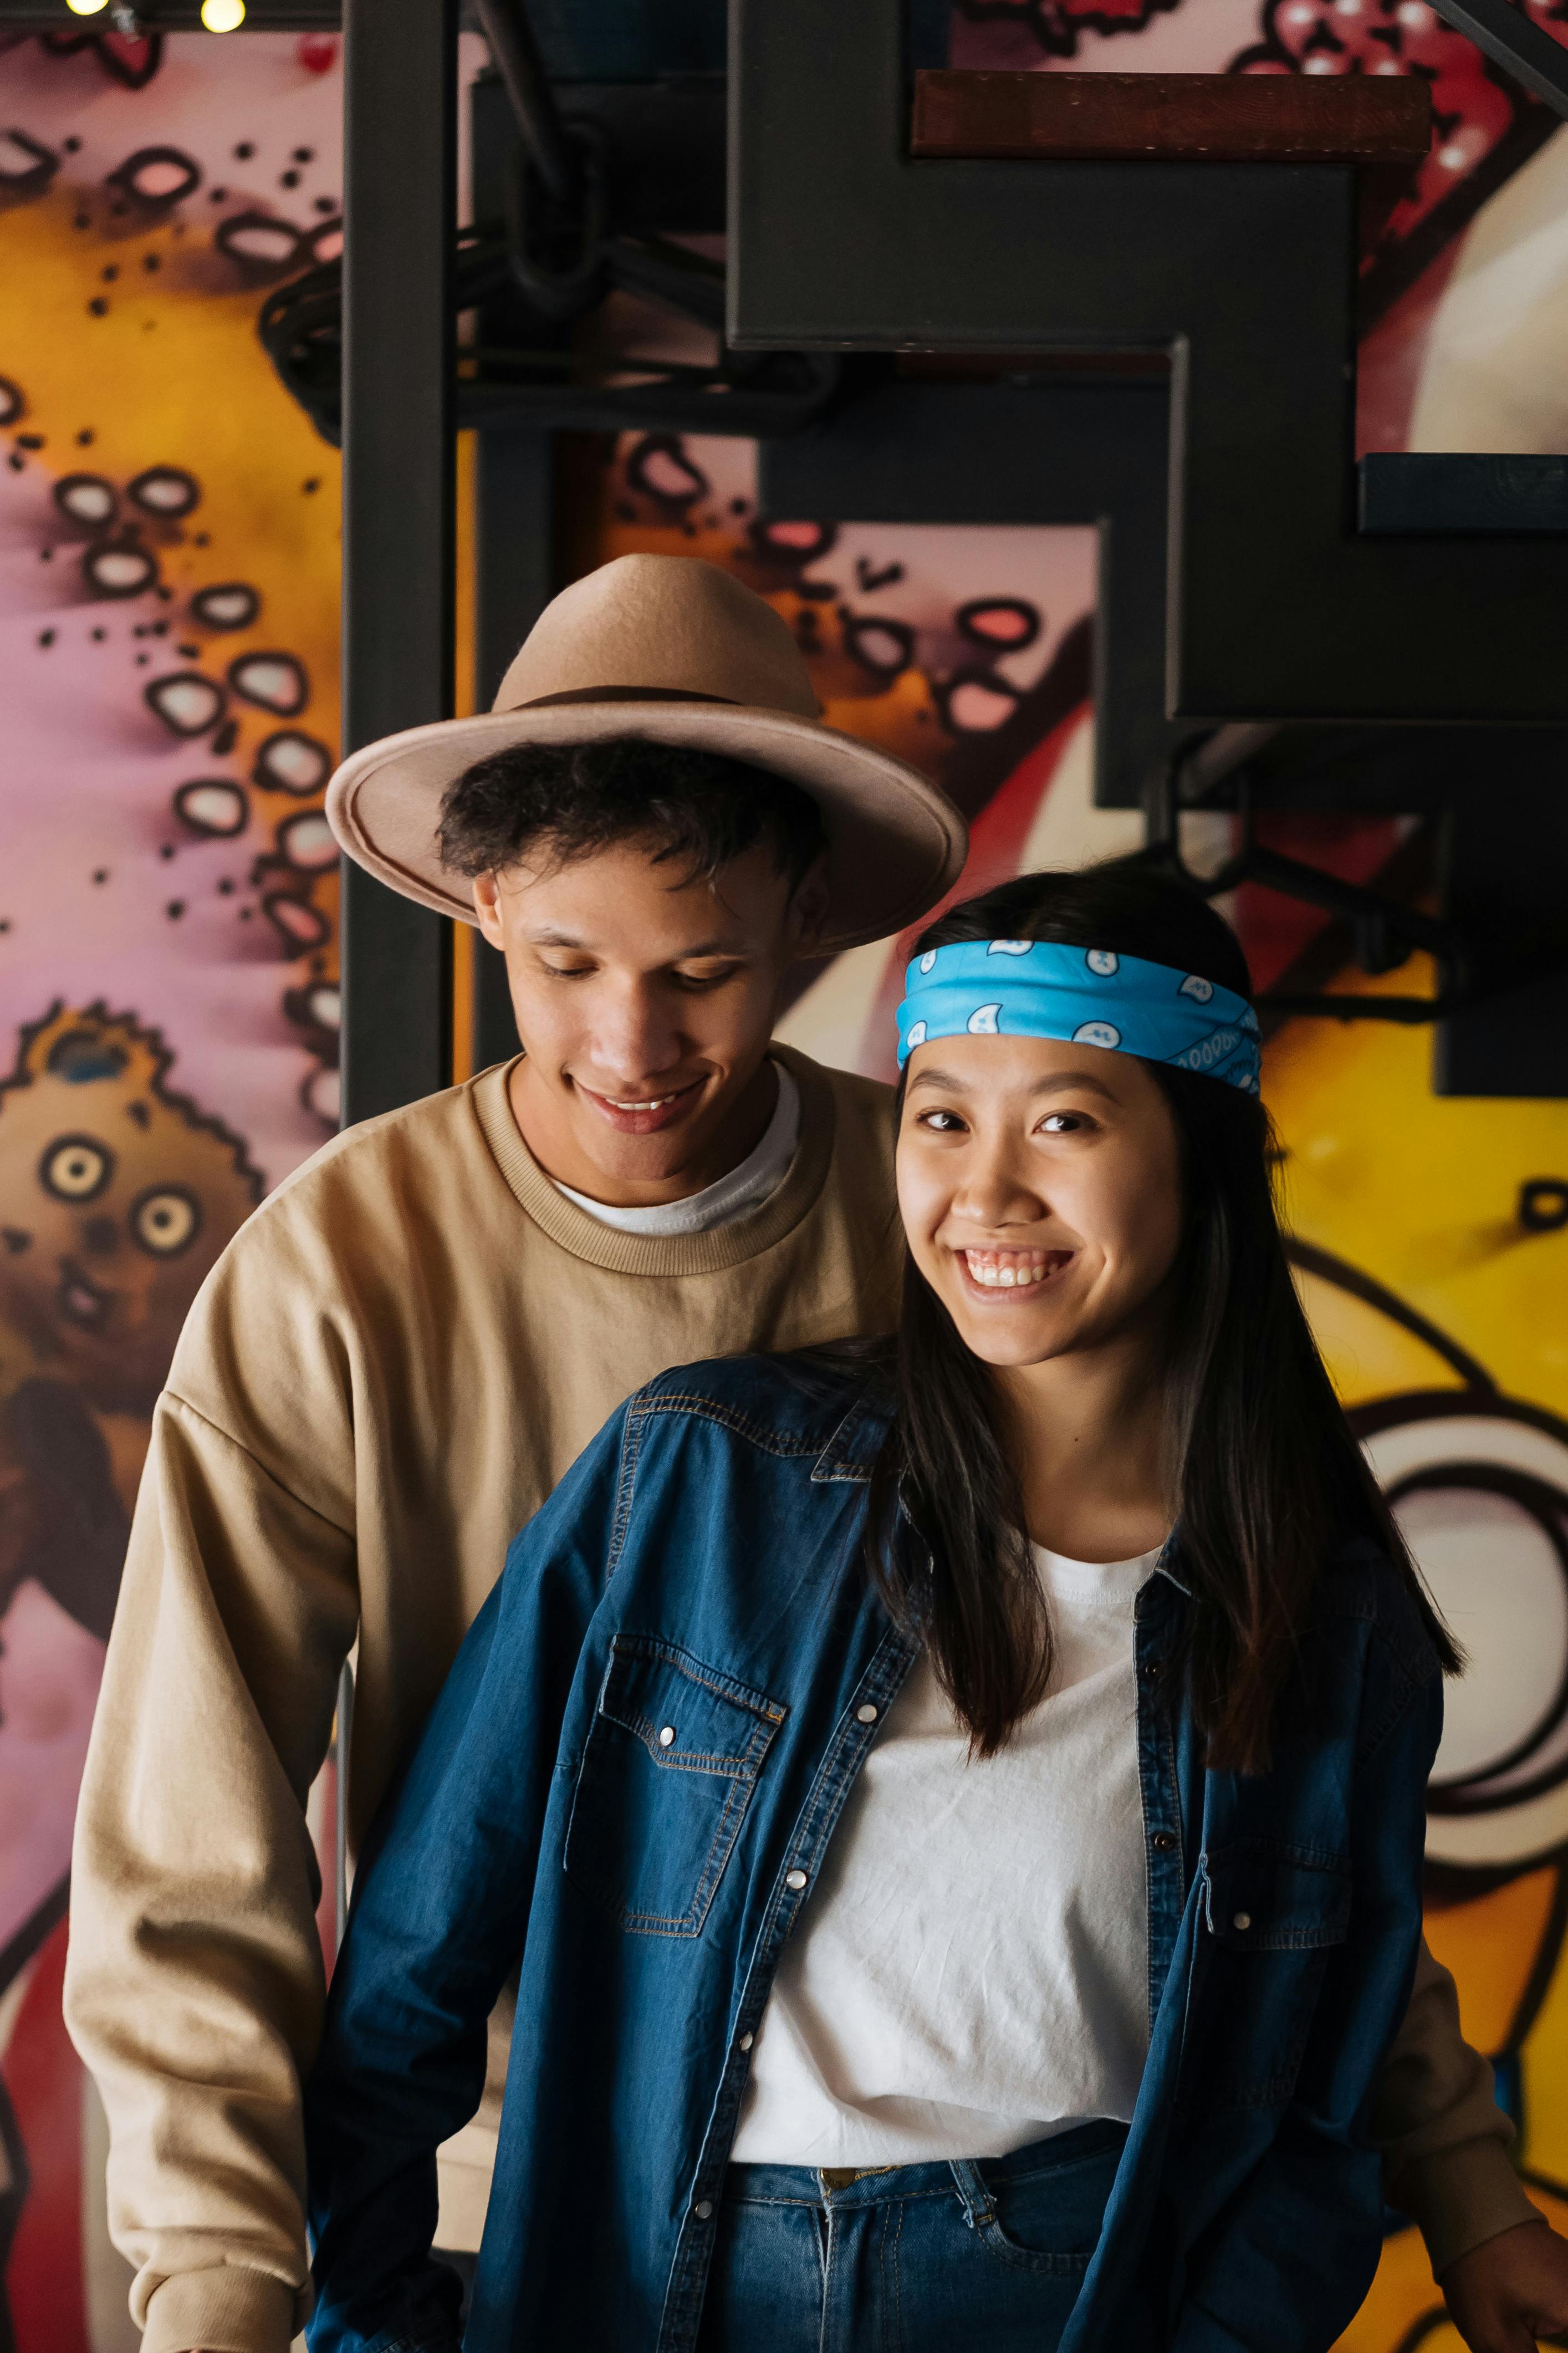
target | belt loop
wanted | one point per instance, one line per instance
(978, 2210)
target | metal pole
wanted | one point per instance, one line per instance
(515, 578)
(399, 198)
(400, 210)
(515, 56)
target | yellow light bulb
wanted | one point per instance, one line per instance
(223, 15)
(87, 7)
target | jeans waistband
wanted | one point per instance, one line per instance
(802, 2185)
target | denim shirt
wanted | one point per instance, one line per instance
(625, 1791)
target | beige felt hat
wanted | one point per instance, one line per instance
(674, 650)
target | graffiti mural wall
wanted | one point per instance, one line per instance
(168, 998)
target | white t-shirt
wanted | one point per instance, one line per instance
(969, 1973)
(756, 1179)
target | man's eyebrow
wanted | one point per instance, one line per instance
(552, 938)
(1055, 1083)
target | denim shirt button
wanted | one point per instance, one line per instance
(1164, 1841)
(703, 2209)
(866, 1715)
(747, 2040)
(794, 1879)
(667, 1736)
(1242, 1920)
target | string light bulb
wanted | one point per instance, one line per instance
(223, 15)
(87, 7)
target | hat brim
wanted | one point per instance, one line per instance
(894, 843)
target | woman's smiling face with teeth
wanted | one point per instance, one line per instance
(1040, 1189)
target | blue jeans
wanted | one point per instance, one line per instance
(916, 2259)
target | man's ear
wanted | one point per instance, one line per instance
(487, 906)
(808, 907)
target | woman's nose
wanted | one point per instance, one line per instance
(993, 1191)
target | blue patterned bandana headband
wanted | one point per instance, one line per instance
(1090, 996)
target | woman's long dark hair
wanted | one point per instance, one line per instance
(1267, 1474)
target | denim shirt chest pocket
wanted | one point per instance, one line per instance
(668, 1769)
(1271, 1916)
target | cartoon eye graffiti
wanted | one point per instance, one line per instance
(1096, 1033)
(86, 499)
(212, 805)
(260, 244)
(185, 702)
(1103, 961)
(972, 701)
(291, 761)
(299, 925)
(792, 543)
(307, 842)
(321, 1094)
(165, 1221)
(167, 492)
(76, 1168)
(121, 567)
(1004, 623)
(1543, 1205)
(157, 176)
(1481, 1490)
(227, 605)
(317, 1008)
(660, 466)
(274, 681)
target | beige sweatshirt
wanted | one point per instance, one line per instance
(383, 1378)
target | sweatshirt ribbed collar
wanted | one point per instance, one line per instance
(586, 1237)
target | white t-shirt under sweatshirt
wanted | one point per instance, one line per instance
(970, 1974)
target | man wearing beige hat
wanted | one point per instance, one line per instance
(400, 1354)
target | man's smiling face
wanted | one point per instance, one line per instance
(645, 999)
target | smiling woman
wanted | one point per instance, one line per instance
(1100, 1329)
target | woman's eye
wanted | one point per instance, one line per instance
(940, 1123)
(1062, 1123)
(566, 971)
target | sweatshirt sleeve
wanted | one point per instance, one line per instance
(195, 1981)
(440, 1914)
(1444, 2138)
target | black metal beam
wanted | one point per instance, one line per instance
(514, 530)
(1514, 41)
(1278, 608)
(514, 562)
(399, 201)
